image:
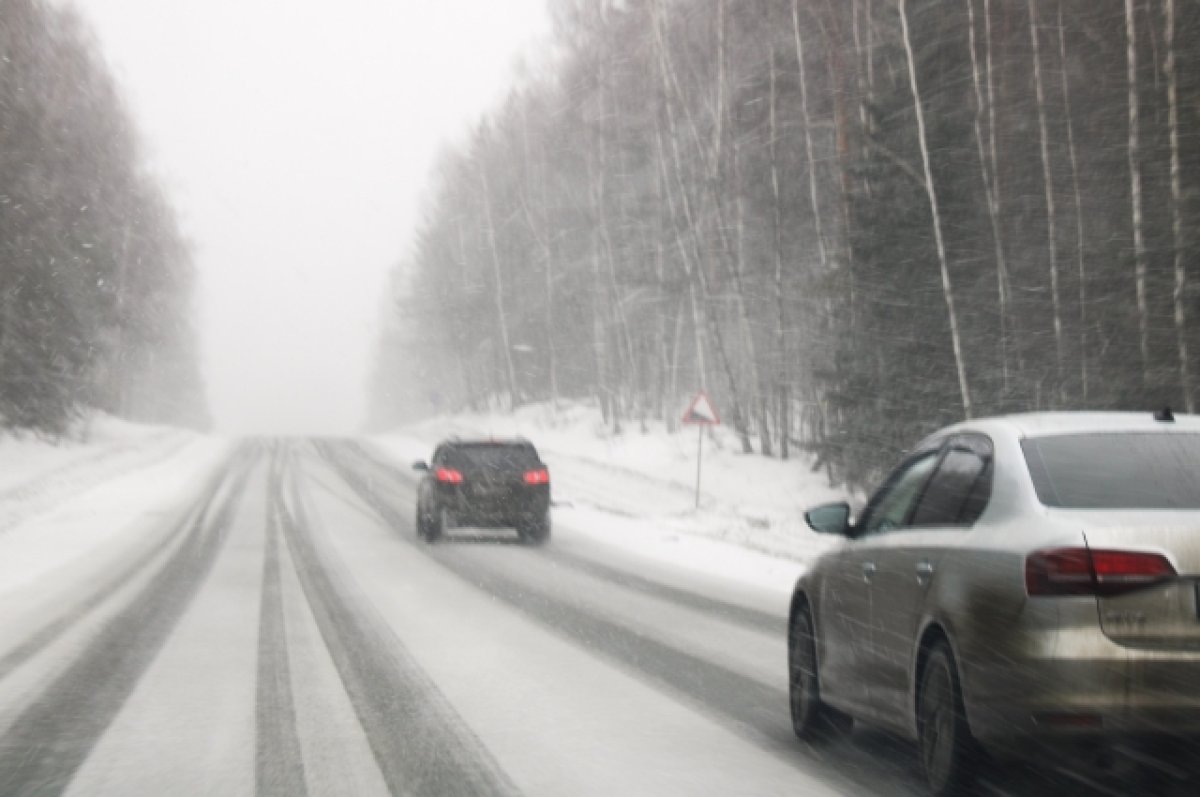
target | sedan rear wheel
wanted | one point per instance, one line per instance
(949, 754)
(812, 720)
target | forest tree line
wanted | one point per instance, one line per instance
(95, 276)
(851, 221)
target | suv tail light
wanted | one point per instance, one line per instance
(1083, 571)
(448, 476)
(539, 476)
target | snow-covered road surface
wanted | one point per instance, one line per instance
(283, 632)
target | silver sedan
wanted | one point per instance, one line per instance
(1015, 582)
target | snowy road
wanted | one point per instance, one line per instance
(286, 634)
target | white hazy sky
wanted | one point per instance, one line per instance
(296, 139)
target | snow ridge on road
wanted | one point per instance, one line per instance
(279, 760)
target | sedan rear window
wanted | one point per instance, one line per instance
(1127, 470)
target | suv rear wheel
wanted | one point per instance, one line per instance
(436, 525)
(535, 531)
(422, 524)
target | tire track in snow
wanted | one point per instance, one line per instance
(741, 615)
(279, 760)
(54, 735)
(420, 743)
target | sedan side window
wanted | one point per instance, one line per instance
(892, 508)
(957, 494)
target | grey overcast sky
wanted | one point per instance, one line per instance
(296, 140)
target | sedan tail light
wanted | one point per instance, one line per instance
(448, 476)
(1084, 571)
(540, 476)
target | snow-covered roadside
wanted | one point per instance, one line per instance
(109, 508)
(736, 573)
(647, 478)
(36, 475)
(25, 457)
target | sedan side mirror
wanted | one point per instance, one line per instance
(830, 519)
(420, 465)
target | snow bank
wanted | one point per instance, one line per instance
(25, 456)
(37, 474)
(649, 473)
(106, 508)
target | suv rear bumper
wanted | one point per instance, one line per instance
(506, 507)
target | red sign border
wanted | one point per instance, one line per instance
(687, 419)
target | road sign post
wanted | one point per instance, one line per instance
(700, 413)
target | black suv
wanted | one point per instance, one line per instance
(489, 483)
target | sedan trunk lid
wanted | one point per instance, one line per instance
(1165, 614)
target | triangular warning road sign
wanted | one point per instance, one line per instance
(701, 412)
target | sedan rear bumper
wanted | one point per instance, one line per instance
(1078, 684)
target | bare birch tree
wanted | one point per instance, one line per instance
(1048, 185)
(1081, 259)
(993, 201)
(1177, 240)
(1135, 190)
(497, 276)
(931, 193)
(781, 315)
(806, 123)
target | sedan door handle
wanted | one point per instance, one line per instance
(924, 572)
(868, 571)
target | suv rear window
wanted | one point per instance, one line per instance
(1127, 470)
(493, 456)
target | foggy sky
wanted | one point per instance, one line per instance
(295, 140)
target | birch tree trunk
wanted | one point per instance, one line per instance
(684, 255)
(602, 288)
(993, 200)
(541, 233)
(808, 145)
(461, 347)
(997, 191)
(1081, 261)
(501, 316)
(1177, 241)
(931, 193)
(780, 300)
(1135, 190)
(738, 267)
(1048, 185)
(743, 311)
